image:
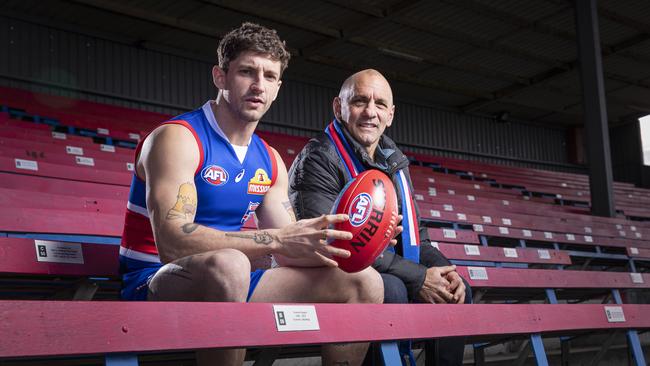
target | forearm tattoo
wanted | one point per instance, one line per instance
(185, 206)
(190, 227)
(258, 237)
(289, 208)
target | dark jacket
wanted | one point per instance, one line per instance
(318, 175)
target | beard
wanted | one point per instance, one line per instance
(250, 116)
(246, 114)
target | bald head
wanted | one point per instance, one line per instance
(365, 107)
(364, 77)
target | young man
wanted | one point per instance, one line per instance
(199, 176)
(354, 142)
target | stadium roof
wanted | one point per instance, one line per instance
(514, 58)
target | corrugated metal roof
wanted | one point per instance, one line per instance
(544, 99)
(464, 80)
(633, 95)
(416, 42)
(529, 10)
(544, 45)
(641, 50)
(638, 10)
(328, 14)
(610, 85)
(563, 21)
(569, 80)
(503, 62)
(612, 32)
(452, 18)
(456, 50)
(626, 67)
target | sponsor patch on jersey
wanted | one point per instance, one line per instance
(260, 183)
(360, 209)
(215, 175)
(252, 206)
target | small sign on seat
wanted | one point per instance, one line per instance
(477, 273)
(295, 318)
(614, 314)
(58, 252)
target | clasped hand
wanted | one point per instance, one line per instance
(443, 285)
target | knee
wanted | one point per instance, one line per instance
(226, 274)
(394, 290)
(368, 287)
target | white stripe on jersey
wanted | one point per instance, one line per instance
(137, 209)
(134, 254)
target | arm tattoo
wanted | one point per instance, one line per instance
(190, 227)
(289, 208)
(185, 206)
(259, 238)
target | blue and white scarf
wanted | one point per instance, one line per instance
(411, 233)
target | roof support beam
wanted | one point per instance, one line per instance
(595, 110)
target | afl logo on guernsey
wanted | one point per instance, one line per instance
(215, 175)
(360, 209)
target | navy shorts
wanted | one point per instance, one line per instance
(137, 275)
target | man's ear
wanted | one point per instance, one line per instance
(218, 77)
(390, 116)
(336, 106)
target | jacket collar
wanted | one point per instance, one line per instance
(388, 157)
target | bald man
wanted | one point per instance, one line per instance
(353, 142)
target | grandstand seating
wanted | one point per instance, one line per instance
(138, 327)
(503, 280)
(21, 256)
(470, 252)
(44, 184)
(34, 269)
(517, 235)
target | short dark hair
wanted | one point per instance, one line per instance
(252, 37)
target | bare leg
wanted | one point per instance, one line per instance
(322, 284)
(222, 275)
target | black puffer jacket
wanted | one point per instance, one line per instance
(318, 175)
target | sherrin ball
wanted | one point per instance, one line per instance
(370, 201)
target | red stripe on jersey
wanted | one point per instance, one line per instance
(196, 137)
(274, 161)
(177, 122)
(137, 234)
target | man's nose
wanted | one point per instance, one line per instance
(257, 86)
(371, 110)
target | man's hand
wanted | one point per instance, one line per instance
(456, 287)
(398, 230)
(307, 239)
(435, 288)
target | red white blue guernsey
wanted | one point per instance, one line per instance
(228, 190)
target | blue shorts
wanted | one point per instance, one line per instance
(137, 274)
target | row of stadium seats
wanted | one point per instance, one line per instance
(520, 237)
(562, 187)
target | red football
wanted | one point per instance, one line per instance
(371, 203)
